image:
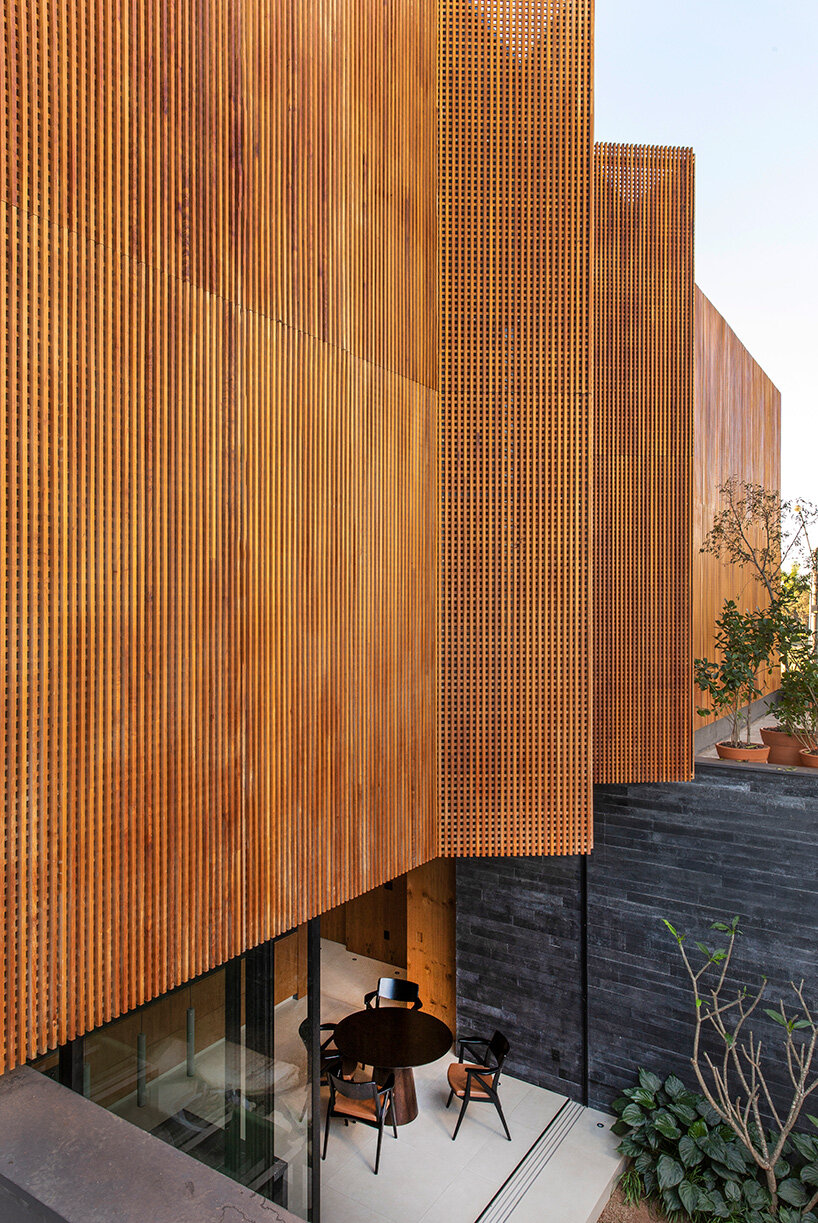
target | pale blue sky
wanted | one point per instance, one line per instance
(738, 81)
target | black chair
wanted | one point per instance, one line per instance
(330, 1057)
(479, 1082)
(394, 989)
(364, 1102)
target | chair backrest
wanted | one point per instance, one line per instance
(370, 1090)
(395, 989)
(305, 1032)
(498, 1050)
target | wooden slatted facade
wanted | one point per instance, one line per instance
(219, 229)
(643, 449)
(515, 446)
(737, 434)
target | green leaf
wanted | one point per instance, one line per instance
(776, 1016)
(674, 1087)
(733, 1157)
(814, 1120)
(620, 1127)
(714, 1146)
(732, 1191)
(755, 1195)
(666, 1126)
(705, 1206)
(718, 1205)
(628, 1146)
(669, 1172)
(644, 1098)
(683, 1112)
(806, 1146)
(698, 1129)
(633, 1115)
(671, 1202)
(782, 1169)
(689, 1196)
(645, 1162)
(650, 1082)
(689, 1153)
(809, 1174)
(792, 1191)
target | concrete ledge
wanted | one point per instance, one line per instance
(66, 1160)
(740, 766)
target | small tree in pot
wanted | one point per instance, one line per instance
(797, 707)
(745, 641)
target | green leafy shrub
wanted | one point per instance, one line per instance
(684, 1158)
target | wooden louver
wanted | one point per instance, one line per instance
(643, 429)
(219, 380)
(737, 434)
(515, 495)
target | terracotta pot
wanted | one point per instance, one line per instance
(756, 754)
(784, 748)
(809, 760)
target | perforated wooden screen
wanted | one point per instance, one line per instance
(515, 157)
(219, 371)
(738, 434)
(643, 463)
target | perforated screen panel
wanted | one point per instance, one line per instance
(644, 207)
(515, 479)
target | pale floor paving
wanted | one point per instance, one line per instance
(424, 1177)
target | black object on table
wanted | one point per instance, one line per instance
(394, 1039)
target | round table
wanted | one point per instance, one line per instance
(391, 1039)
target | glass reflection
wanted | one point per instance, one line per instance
(218, 1070)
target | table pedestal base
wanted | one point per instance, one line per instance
(404, 1100)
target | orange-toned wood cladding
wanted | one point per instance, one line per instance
(643, 444)
(219, 310)
(431, 950)
(515, 157)
(737, 433)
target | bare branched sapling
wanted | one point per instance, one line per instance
(734, 1082)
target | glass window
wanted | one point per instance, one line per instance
(219, 1069)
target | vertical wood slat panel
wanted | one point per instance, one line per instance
(515, 480)
(219, 530)
(643, 403)
(738, 434)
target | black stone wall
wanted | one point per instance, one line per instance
(733, 841)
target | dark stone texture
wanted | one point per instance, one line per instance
(732, 841)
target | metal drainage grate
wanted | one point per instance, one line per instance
(531, 1165)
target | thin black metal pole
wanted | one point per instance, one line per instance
(314, 1012)
(583, 968)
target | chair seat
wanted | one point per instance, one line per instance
(365, 1109)
(458, 1079)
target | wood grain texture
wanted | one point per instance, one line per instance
(219, 375)
(737, 433)
(515, 445)
(431, 952)
(643, 450)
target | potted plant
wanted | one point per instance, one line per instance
(745, 640)
(807, 726)
(795, 651)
